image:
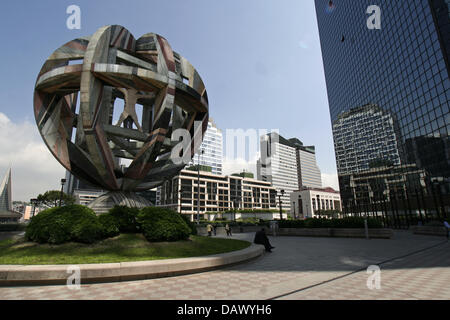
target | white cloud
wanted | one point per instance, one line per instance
(330, 180)
(34, 169)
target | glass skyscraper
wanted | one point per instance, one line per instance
(401, 71)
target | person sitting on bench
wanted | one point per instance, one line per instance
(261, 238)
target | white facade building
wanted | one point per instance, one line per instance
(308, 203)
(288, 165)
(218, 194)
(309, 172)
(212, 145)
(84, 197)
(278, 165)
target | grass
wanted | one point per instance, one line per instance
(126, 247)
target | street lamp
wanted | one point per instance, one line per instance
(198, 186)
(293, 203)
(63, 181)
(279, 199)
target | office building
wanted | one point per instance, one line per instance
(218, 194)
(314, 202)
(6, 208)
(364, 136)
(382, 184)
(396, 75)
(212, 146)
(288, 165)
(308, 170)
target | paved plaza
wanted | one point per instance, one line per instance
(412, 267)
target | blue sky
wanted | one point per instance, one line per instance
(260, 59)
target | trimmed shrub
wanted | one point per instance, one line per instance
(348, 222)
(291, 223)
(109, 225)
(317, 223)
(160, 224)
(190, 224)
(125, 219)
(63, 224)
(356, 222)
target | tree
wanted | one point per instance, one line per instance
(51, 198)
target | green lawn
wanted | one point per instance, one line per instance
(126, 247)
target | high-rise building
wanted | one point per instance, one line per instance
(6, 208)
(208, 155)
(397, 75)
(308, 170)
(363, 136)
(212, 146)
(288, 165)
(5, 193)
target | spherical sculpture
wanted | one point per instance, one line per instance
(79, 113)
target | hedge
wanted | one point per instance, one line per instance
(160, 224)
(124, 218)
(347, 222)
(63, 224)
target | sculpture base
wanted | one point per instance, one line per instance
(118, 198)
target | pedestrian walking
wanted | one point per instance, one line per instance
(209, 228)
(228, 229)
(214, 229)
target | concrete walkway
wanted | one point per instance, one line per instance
(299, 268)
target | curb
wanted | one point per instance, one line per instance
(24, 275)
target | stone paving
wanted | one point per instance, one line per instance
(298, 268)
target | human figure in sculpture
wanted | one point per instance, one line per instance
(131, 97)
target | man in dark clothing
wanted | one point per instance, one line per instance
(261, 238)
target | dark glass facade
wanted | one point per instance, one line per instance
(402, 69)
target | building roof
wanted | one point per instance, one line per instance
(292, 142)
(327, 189)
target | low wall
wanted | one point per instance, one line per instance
(430, 231)
(11, 275)
(232, 216)
(220, 231)
(334, 232)
(308, 232)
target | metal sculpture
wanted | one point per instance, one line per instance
(102, 69)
